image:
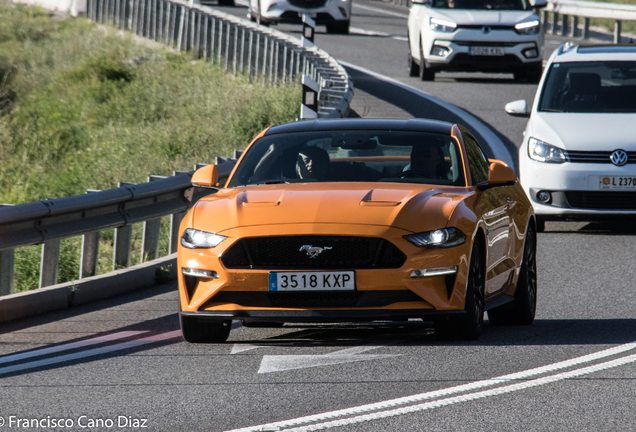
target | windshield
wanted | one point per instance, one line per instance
(517, 5)
(590, 87)
(351, 156)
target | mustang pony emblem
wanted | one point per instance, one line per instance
(313, 251)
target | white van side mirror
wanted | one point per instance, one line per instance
(517, 108)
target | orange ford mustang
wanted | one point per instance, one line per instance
(359, 220)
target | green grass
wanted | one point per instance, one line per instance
(82, 107)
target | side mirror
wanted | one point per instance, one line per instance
(517, 108)
(538, 3)
(206, 177)
(500, 173)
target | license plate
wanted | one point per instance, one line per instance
(487, 51)
(312, 281)
(617, 182)
(311, 15)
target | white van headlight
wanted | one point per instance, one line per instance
(544, 152)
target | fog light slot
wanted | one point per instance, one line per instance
(343, 11)
(206, 274)
(440, 51)
(442, 271)
(544, 197)
(531, 53)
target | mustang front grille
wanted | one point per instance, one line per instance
(596, 156)
(602, 200)
(312, 252)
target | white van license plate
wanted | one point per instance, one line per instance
(617, 182)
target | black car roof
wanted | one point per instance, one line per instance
(418, 125)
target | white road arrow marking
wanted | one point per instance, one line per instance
(278, 363)
(241, 348)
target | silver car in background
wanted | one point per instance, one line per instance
(334, 14)
(475, 36)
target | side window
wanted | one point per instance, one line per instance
(478, 163)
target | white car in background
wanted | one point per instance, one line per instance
(477, 36)
(578, 156)
(334, 14)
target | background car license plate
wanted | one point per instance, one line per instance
(312, 281)
(487, 51)
(617, 182)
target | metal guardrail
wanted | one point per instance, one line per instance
(242, 47)
(47, 222)
(561, 10)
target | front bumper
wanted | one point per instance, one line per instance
(576, 191)
(519, 53)
(389, 293)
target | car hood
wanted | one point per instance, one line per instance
(583, 132)
(387, 204)
(479, 17)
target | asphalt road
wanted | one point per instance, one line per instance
(120, 364)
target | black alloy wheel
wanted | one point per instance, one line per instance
(523, 309)
(468, 326)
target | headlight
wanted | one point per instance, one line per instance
(439, 25)
(445, 237)
(194, 239)
(544, 152)
(528, 28)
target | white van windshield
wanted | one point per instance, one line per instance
(590, 87)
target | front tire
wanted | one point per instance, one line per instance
(204, 332)
(469, 325)
(413, 66)
(523, 309)
(425, 73)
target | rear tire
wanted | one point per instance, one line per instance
(468, 326)
(204, 332)
(523, 309)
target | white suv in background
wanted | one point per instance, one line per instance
(334, 14)
(578, 156)
(475, 35)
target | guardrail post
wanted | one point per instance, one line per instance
(7, 265)
(50, 263)
(575, 25)
(123, 241)
(617, 31)
(175, 221)
(564, 25)
(555, 22)
(90, 251)
(309, 107)
(152, 228)
(586, 28)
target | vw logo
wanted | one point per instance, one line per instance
(619, 157)
(485, 29)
